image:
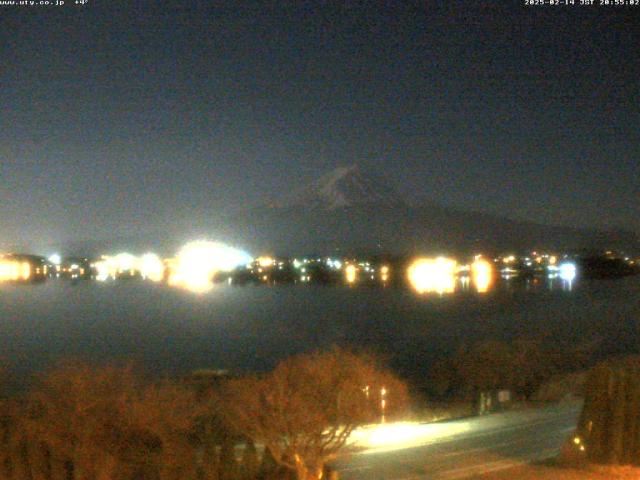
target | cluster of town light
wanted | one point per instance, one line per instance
(12, 270)
(197, 264)
(439, 274)
(193, 268)
(354, 272)
(148, 266)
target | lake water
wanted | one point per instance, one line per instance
(174, 331)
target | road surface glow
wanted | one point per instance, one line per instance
(400, 435)
(467, 448)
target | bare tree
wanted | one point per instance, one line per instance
(306, 409)
(75, 411)
(106, 423)
(168, 412)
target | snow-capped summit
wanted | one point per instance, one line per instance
(343, 187)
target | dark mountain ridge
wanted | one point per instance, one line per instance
(348, 211)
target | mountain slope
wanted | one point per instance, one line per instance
(340, 188)
(348, 210)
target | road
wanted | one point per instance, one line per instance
(461, 449)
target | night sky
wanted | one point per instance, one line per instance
(124, 117)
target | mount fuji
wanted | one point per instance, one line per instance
(343, 187)
(350, 211)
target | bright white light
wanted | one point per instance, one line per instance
(198, 262)
(335, 264)
(151, 267)
(124, 262)
(433, 275)
(104, 269)
(110, 267)
(55, 259)
(567, 271)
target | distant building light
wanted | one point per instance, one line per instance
(351, 273)
(482, 272)
(433, 275)
(265, 261)
(567, 271)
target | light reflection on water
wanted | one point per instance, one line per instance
(516, 283)
(171, 330)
